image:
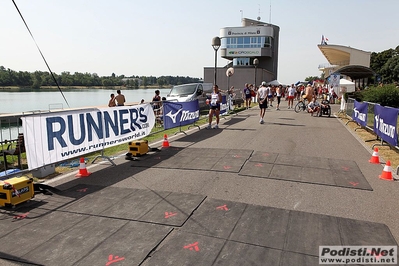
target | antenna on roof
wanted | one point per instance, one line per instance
(259, 13)
(241, 14)
(270, 15)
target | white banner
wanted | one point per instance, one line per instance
(58, 136)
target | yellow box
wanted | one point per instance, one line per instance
(138, 148)
(16, 190)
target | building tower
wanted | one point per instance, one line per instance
(240, 46)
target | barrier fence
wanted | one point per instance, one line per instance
(381, 120)
(69, 127)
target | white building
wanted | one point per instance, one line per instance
(241, 45)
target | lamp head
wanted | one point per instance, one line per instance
(256, 62)
(216, 43)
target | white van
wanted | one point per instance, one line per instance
(190, 92)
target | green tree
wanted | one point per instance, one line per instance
(37, 80)
(145, 81)
(387, 95)
(312, 78)
(385, 65)
(136, 83)
(390, 70)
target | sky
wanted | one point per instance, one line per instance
(173, 38)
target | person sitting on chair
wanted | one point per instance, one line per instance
(314, 107)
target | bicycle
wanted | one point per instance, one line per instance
(301, 105)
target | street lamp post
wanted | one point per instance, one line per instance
(215, 45)
(256, 63)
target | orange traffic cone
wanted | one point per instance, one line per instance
(82, 169)
(387, 172)
(165, 142)
(375, 158)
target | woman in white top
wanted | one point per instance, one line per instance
(214, 103)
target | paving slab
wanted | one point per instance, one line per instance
(263, 157)
(80, 190)
(130, 245)
(228, 165)
(207, 159)
(54, 202)
(291, 258)
(359, 233)
(75, 243)
(232, 254)
(240, 152)
(307, 231)
(148, 227)
(302, 174)
(215, 218)
(136, 205)
(12, 220)
(182, 248)
(262, 226)
(256, 169)
(347, 173)
(90, 204)
(304, 169)
(26, 238)
(201, 163)
(299, 160)
(177, 162)
(174, 209)
(113, 192)
(154, 158)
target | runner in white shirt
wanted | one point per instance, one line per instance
(262, 100)
(291, 95)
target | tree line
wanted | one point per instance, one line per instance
(37, 79)
(386, 65)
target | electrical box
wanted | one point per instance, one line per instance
(44, 171)
(138, 148)
(16, 190)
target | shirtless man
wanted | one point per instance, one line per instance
(309, 93)
(120, 98)
(111, 102)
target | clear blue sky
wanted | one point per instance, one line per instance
(174, 37)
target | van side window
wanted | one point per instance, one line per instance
(200, 90)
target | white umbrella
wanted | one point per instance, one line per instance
(274, 83)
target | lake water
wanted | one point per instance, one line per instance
(35, 100)
(12, 102)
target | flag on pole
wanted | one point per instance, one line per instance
(323, 40)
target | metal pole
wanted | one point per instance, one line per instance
(216, 58)
(229, 92)
(215, 46)
(255, 77)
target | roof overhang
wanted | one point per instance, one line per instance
(355, 72)
(335, 54)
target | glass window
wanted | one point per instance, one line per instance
(241, 61)
(232, 43)
(225, 42)
(240, 42)
(267, 42)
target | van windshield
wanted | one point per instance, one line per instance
(183, 90)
